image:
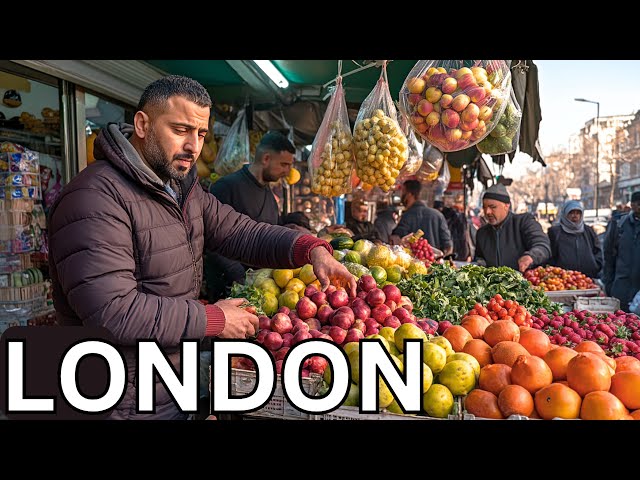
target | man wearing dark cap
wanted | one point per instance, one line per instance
(621, 275)
(509, 239)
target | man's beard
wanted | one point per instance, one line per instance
(158, 161)
(267, 177)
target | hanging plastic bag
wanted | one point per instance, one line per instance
(442, 182)
(454, 104)
(331, 157)
(381, 147)
(431, 164)
(505, 136)
(416, 149)
(235, 149)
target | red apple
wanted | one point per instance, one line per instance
(337, 334)
(414, 98)
(338, 299)
(281, 323)
(279, 367)
(306, 308)
(422, 128)
(453, 134)
(470, 113)
(286, 339)
(366, 283)
(299, 326)
(342, 320)
(317, 364)
(330, 289)
(446, 101)
(433, 94)
(261, 335)
(469, 126)
(310, 290)
(463, 71)
(325, 336)
(285, 310)
(354, 335)
(273, 341)
(314, 324)
(319, 298)
(324, 314)
(360, 325)
(417, 119)
(392, 292)
(372, 323)
(361, 311)
(315, 333)
(466, 81)
(432, 119)
(416, 85)
(380, 313)
(401, 313)
(390, 303)
(371, 331)
(460, 102)
(392, 322)
(281, 353)
(376, 297)
(486, 112)
(362, 294)
(345, 311)
(264, 322)
(300, 336)
(436, 79)
(443, 326)
(405, 302)
(476, 93)
(325, 329)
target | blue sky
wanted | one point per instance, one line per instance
(613, 83)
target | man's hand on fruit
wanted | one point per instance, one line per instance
(330, 271)
(240, 322)
(524, 262)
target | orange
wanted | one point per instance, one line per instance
(506, 352)
(500, 331)
(558, 359)
(588, 373)
(557, 400)
(626, 386)
(480, 350)
(475, 325)
(482, 404)
(515, 400)
(531, 372)
(627, 363)
(535, 341)
(588, 346)
(493, 378)
(457, 336)
(602, 406)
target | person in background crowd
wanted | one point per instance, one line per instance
(297, 221)
(458, 228)
(574, 245)
(509, 239)
(418, 216)
(621, 273)
(248, 192)
(127, 234)
(358, 223)
(386, 221)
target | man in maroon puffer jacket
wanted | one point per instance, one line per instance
(127, 237)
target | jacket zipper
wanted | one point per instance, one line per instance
(498, 247)
(184, 223)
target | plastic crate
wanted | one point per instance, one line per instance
(597, 304)
(569, 297)
(352, 413)
(243, 382)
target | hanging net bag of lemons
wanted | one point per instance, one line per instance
(380, 146)
(331, 158)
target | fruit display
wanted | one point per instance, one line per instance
(454, 104)
(555, 278)
(331, 158)
(617, 334)
(523, 373)
(500, 309)
(381, 150)
(504, 137)
(448, 293)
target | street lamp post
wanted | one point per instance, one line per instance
(597, 190)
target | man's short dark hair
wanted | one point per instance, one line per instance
(413, 187)
(158, 92)
(273, 141)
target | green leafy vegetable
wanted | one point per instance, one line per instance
(253, 295)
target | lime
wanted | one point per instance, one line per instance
(270, 304)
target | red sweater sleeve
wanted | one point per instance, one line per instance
(215, 320)
(303, 246)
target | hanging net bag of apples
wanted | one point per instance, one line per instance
(380, 146)
(454, 104)
(331, 159)
(416, 150)
(505, 136)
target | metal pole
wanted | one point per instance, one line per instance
(597, 191)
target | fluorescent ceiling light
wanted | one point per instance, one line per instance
(274, 74)
(308, 147)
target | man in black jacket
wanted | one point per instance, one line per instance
(248, 192)
(358, 223)
(509, 239)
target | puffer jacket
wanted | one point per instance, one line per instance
(125, 255)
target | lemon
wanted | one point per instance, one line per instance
(296, 271)
(437, 401)
(394, 273)
(388, 333)
(444, 343)
(326, 376)
(350, 347)
(384, 341)
(282, 276)
(354, 396)
(458, 376)
(270, 304)
(393, 350)
(307, 275)
(434, 356)
(296, 285)
(316, 283)
(293, 176)
(385, 397)
(427, 378)
(466, 358)
(394, 407)
(268, 285)
(410, 331)
(354, 362)
(288, 299)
